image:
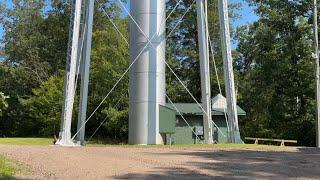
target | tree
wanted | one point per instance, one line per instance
(117, 125)
(109, 61)
(3, 103)
(277, 72)
(182, 49)
(35, 48)
(43, 108)
(16, 82)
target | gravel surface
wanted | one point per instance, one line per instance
(50, 162)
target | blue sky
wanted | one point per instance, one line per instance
(1, 30)
(246, 13)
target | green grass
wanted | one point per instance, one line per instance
(26, 141)
(48, 141)
(6, 169)
(203, 146)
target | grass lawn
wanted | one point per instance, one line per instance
(238, 146)
(204, 146)
(48, 141)
(6, 169)
(26, 141)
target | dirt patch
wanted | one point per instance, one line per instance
(48, 162)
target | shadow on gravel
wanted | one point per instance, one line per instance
(177, 173)
(305, 163)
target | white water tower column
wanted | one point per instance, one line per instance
(70, 76)
(147, 75)
(85, 70)
(234, 133)
(204, 70)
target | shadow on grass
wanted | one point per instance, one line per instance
(106, 141)
(226, 164)
(9, 177)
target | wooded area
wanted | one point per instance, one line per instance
(273, 62)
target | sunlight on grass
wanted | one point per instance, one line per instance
(48, 141)
(203, 146)
(26, 141)
(6, 169)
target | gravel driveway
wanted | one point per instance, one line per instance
(49, 162)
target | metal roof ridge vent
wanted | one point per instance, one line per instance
(219, 102)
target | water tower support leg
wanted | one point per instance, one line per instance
(85, 70)
(204, 71)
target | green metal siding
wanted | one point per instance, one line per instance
(184, 135)
(167, 120)
(172, 125)
(218, 136)
(192, 121)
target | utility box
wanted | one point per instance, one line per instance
(198, 130)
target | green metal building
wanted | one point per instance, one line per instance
(177, 131)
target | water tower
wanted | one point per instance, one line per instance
(147, 74)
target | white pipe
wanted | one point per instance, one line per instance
(204, 70)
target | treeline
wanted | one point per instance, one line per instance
(273, 63)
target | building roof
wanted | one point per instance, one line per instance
(219, 104)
